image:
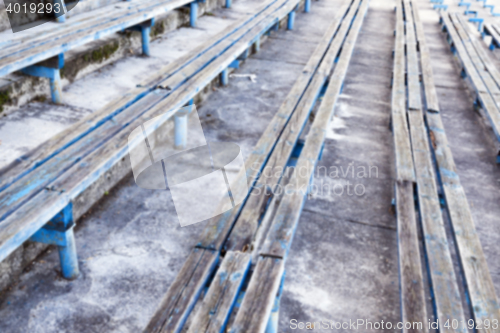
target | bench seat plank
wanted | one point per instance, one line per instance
(280, 236)
(32, 55)
(260, 296)
(484, 58)
(402, 148)
(413, 304)
(248, 221)
(412, 69)
(41, 34)
(431, 99)
(480, 286)
(217, 304)
(484, 97)
(478, 63)
(413, 308)
(169, 317)
(444, 282)
(215, 234)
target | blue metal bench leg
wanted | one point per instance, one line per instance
(256, 46)
(272, 324)
(59, 231)
(145, 32)
(49, 69)
(145, 29)
(291, 20)
(180, 129)
(224, 79)
(307, 6)
(193, 13)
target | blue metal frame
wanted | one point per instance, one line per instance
(479, 21)
(53, 74)
(307, 6)
(224, 77)
(181, 127)
(59, 231)
(291, 20)
(193, 14)
(145, 29)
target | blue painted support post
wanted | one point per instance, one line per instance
(291, 20)
(256, 45)
(224, 77)
(145, 40)
(479, 21)
(272, 324)
(61, 18)
(59, 231)
(276, 27)
(145, 29)
(49, 69)
(228, 3)
(307, 6)
(180, 129)
(235, 64)
(193, 15)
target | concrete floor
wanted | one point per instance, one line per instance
(343, 263)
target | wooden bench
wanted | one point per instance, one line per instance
(477, 68)
(419, 137)
(241, 254)
(37, 190)
(42, 54)
(492, 30)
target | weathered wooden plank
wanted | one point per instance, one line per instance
(446, 293)
(485, 98)
(75, 24)
(462, 53)
(218, 228)
(413, 308)
(402, 148)
(474, 56)
(218, 303)
(29, 56)
(181, 76)
(279, 238)
(182, 294)
(431, 99)
(480, 287)
(482, 57)
(246, 226)
(491, 30)
(260, 295)
(412, 68)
